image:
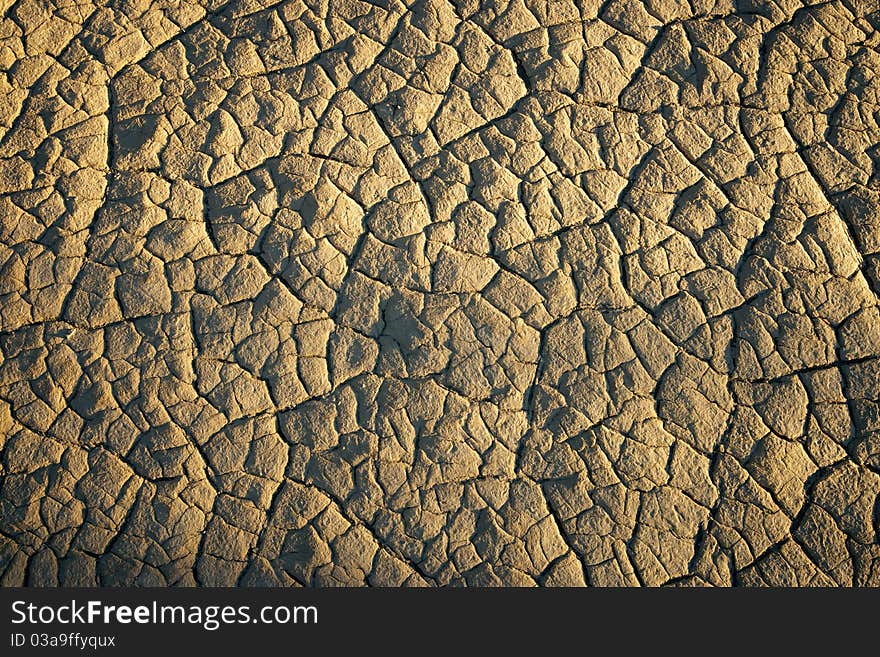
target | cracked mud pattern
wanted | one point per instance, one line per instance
(350, 292)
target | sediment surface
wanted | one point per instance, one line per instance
(520, 292)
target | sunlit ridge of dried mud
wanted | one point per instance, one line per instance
(450, 292)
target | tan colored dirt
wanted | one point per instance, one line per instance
(554, 292)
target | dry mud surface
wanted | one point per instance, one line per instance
(492, 293)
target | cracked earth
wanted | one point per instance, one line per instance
(342, 292)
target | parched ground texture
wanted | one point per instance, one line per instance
(507, 292)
